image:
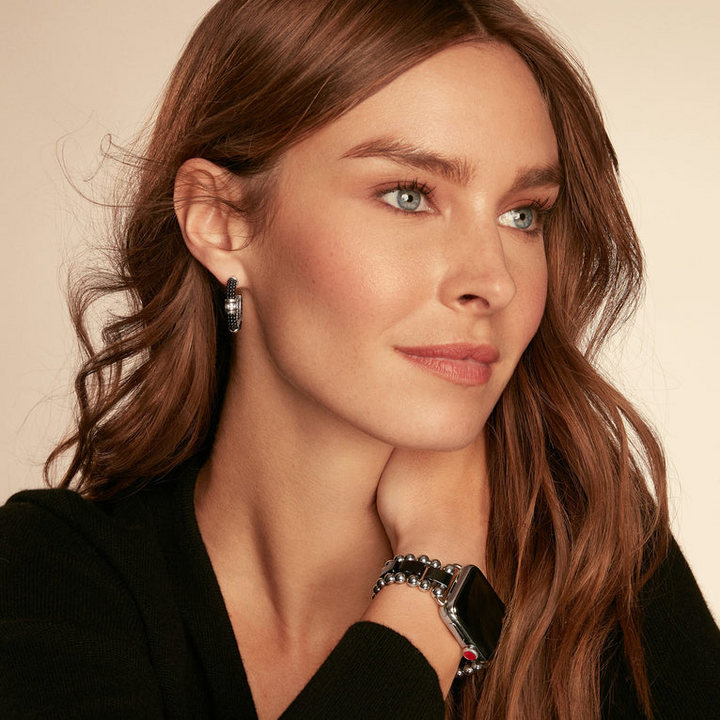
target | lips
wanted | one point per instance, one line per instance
(460, 363)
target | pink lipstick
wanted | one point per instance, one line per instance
(460, 363)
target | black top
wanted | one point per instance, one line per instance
(113, 611)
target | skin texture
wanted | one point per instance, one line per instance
(373, 278)
(331, 443)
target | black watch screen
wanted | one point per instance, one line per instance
(476, 611)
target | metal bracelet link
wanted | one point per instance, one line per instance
(422, 572)
(428, 576)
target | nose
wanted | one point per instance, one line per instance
(478, 277)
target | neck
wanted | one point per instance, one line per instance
(286, 506)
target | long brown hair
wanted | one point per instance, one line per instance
(575, 530)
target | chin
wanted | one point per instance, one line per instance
(437, 434)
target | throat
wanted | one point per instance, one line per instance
(278, 671)
(281, 656)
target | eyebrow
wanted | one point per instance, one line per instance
(545, 176)
(455, 169)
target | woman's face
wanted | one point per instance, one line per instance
(403, 272)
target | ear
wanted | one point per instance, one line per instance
(213, 232)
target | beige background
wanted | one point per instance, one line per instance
(75, 70)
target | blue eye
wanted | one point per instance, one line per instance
(409, 199)
(519, 218)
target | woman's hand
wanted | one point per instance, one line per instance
(437, 503)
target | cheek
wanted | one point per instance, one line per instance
(532, 289)
(538, 296)
(345, 273)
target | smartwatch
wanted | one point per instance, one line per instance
(468, 604)
(473, 613)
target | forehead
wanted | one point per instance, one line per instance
(476, 102)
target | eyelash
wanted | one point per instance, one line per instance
(408, 186)
(541, 208)
(541, 211)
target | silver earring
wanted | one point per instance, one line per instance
(233, 306)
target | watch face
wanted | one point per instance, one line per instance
(475, 610)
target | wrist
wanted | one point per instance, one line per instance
(462, 551)
(468, 605)
(416, 617)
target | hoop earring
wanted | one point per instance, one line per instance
(233, 306)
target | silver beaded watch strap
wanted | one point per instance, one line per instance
(435, 578)
(423, 573)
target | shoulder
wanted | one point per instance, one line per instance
(38, 508)
(52, 529)
(73, 611)
(672, 606)
(681, 643)
(67, 507)
(32, 519)
(63, 558)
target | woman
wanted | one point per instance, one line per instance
(409, 213)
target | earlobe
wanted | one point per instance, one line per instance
(212, 230)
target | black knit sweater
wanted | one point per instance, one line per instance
(113, 611)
